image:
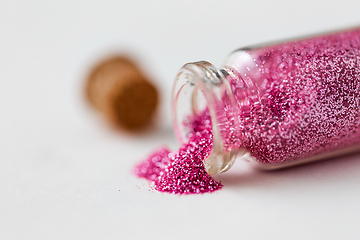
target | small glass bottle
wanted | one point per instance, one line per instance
(276, 105)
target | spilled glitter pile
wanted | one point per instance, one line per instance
(183, 171)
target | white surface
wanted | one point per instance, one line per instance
(66, 175)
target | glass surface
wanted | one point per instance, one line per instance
(278, 105)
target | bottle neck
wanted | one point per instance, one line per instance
(201, 87)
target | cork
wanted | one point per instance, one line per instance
(122, 93)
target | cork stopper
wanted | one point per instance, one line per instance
(122, 93)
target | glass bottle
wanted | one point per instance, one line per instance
(276, 105)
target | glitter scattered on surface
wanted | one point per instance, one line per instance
(156, 163)
(183, 172)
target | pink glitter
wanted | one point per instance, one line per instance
(294, 100)
(183, 172)
(156, 163)
(306, 101)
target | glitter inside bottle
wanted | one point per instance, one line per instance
(276, 105)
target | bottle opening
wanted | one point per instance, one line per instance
(200, 86)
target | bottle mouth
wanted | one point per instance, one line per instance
(200, 86)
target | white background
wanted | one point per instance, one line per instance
(65, 174)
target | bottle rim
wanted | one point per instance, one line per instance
(196, 86)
